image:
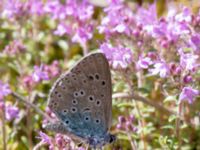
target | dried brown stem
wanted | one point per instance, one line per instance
(4, 130)
(144, 100)
(22, 99)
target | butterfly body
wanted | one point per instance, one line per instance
(81, 100)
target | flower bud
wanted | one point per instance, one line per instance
(129, 126)
(119, 126)
(132, 118)
(187, 79)
(121, 119)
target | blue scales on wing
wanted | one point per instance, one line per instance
(81, 99)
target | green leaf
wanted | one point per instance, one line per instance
(170, 98)
(172, 118)
(125, 104)
(167, 127)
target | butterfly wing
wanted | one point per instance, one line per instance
(81, 98)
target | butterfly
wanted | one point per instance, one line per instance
(82, 101)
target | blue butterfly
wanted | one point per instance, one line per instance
(82, 101)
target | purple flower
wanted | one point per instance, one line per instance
(28, 81)
(118, 56)
(62, 29)
(184, 16)
(55, 9)
(123, 19)
(53, 69)
(147, 17)
(83, 34)
(15, 47)
(131, 118)
(195, 42)
(187, 79)
(144, 62)
(161, 68)
(4, 90)
(45, 138)
(16, 8)
(11, 112)
(130, 127)
(159, 30)
(36, 7)
(126, 123)
(121, 119)
(82, 10)
(39, 74)
(78, 15)
(188, 94)
(188, 61)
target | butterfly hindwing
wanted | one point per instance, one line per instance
(81, 98)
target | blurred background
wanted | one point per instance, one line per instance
(153, 49)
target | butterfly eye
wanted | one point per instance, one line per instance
(91, 98)
(56, 92)
(73, 109)
(74, 101)
(98, 103)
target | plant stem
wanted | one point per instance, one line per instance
(29, 125)
(4, 129)
(85, 49)
(133, 144)
(140, 121)
(22, 99)
(39, 145)
(178, 124)
(137, 97)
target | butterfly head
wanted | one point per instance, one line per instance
(96, 142)
(111, 138)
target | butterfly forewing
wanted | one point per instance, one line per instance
(81, 98)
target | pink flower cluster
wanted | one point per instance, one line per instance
(11, 112)
(168, 47)
(40, 73)
(74, 17)
(126, 123)
(60, 141)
